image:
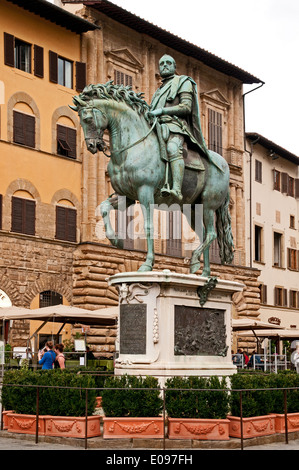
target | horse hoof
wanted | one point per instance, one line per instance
(144, 268)
(206, 273)
(194, 267)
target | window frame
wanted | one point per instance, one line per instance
(66, 226)
(24, 129)
(23, 215)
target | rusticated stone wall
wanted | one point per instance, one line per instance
(30, 265)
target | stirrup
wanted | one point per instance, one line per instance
(165, 191)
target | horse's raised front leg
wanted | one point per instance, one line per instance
(210, 236)
(117, 203)
(146, 199)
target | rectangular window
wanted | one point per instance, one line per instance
(125, 227)
(66, 141)
(65, 72)
(292, 259)
(263, 293)
(291, 187)
(258, 243)
(277, 249)
(22, 55)
(280, 297)
(293, 298)
(292, 221)
(258, 171)
(23, 216)
(66, 224)
(24, 129)
(121, 78)
(276, 178)
(215, 131)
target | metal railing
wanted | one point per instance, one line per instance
(163, 392)
(264, 362)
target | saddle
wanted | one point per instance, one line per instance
(191, 156)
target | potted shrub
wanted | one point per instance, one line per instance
(199, 413)
(286, 380)
(132, 413)
(61, 410)
(257, 406)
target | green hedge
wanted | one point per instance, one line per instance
(130, 402)
(262, 402)
(52, 401)
(194, 403)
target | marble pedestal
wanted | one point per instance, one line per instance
(163, 329)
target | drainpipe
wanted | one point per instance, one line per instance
(250, 170)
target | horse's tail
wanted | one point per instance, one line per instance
(224, 232)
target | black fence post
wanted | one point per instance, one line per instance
(286, 416)
(86, 415)
(241, 419)
(164, 424)
(37, 415)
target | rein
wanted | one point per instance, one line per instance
(129, 146)
(134, 143)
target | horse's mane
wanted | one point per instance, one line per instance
(117, 93)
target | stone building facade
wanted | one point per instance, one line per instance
(120, 46)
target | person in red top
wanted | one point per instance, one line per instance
(246, 358)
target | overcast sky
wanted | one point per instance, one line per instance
(259, 36)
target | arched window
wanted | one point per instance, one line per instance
(48, 298)
(23, 125)
(23, 213)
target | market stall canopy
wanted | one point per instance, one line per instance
(62, 314)
(247, 324)
(275, 333)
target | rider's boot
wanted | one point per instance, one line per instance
(177, 169)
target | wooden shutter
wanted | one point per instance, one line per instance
(215, 131)
(24, 129)
(18, 128)
(297, 188)
(9, 53)
(23, 216)
(284, 182)
(121, 78)
(72, 141)
(285, 297)
(80, 75)
(29, 126)
(38, 61)
(71, 225)
(66, 224)
(29, 222)
(53, 67)
(67, 140)
(258, 171)
(264, 294)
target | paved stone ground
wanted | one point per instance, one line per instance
(23, 442)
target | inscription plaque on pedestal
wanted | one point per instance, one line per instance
(132, 329)
(199, 331)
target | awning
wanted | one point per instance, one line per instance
(275, 333)
(250, 324)
(62, 314)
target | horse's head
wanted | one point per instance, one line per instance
(93, 122)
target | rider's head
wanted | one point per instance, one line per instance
(167, 66)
